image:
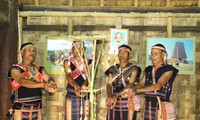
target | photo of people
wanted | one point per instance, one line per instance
(59, 49)
(118, 37)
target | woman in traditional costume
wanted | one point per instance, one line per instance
(77, 101)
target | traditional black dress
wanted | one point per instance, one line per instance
(120, 79)
(151, 102)
(79, 75)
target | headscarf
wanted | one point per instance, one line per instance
(160, 47)
(128, 48)
(23, 46)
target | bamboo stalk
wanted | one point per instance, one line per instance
(93, 63)
(88, 71)
(91, 104)
(99, 56)
(92, 83)
(94, 74)
(91, 77)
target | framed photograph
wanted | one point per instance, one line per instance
(59, 49)
(118, 37)
(181, 53)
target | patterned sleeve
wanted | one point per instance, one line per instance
(110, 70)
(41, 69)
(15, 85)
(14, 67)
(107, 72)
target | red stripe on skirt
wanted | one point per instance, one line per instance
(150, 111)
(113, 114)
(120, 107)
(77, 106)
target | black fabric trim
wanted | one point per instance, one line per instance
(14, 67)
(41, 69)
